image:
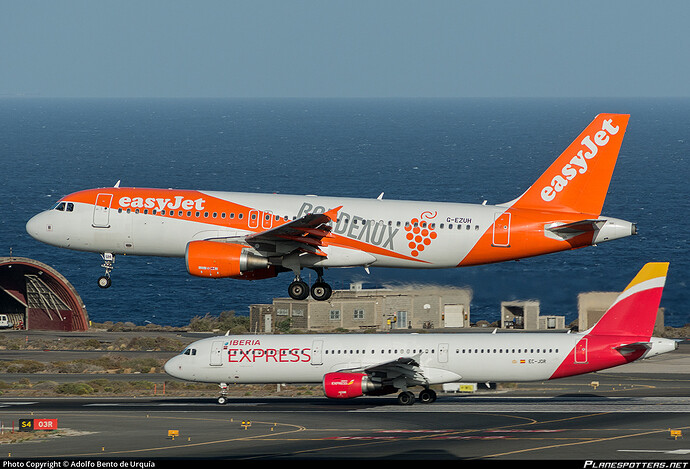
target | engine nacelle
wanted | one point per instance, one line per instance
(212, 259)
(347, 385)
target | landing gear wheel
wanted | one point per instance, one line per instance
(104, 281)
(298, 290)
(427, 396)
(222, 399)
(321, 291)
(406, 398)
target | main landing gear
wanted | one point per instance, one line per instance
(320, 291)
(427, 396)
(108, 261)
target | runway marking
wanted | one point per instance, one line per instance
(672, 451)
(584, 442)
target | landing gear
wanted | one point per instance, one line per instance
(108, 261)
(406, 398)
(298, 289)
(427, 396)
(104, 281)
(223, 398)
(320, 291)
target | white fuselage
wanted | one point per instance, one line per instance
(442, 358)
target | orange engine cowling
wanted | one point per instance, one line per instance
(347, 385)
(213, 259)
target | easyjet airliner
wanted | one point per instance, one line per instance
(256, 236)
(352, 365)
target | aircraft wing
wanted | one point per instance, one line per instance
(304, 234)
(405, 369)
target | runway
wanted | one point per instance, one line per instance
(490, 427)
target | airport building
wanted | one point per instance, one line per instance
(35, 296)
(526, 315)
(358, 309)
(416, 307)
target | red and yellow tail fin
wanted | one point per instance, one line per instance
(635, 310)
(578, 180)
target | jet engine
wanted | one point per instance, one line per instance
(214, 259)
(347, 385)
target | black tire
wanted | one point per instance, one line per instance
(427, 396)
(321, 291)
(104, 281)
(406, 398)
(298, 290)
(222, 400)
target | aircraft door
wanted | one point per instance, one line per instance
(267, 220)
(253, 221)
(501, 230)
(216, 358)
(443, 353)
(316, 352)
(581, 351)
(101, 211)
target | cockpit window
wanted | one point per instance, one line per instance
(189, 351)
(64, 207)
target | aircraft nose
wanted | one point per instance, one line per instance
(36, 227)
(172, 367)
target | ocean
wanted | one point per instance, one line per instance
(454, 150)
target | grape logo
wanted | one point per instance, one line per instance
(420, 233)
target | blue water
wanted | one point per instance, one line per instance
(445, 150)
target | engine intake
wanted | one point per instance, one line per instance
(212, 259)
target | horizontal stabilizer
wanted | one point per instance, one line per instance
(568, 230)
(635, 347)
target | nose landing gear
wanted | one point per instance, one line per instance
(108, 261)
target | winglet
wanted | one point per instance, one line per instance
(333, 214)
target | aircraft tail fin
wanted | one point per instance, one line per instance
(635, 310)
(578, 180)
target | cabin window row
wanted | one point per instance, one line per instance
(253, 216)
(373, 352)
(512, 350)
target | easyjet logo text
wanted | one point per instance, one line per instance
(269, 355)
(162, 204)
(578, 163)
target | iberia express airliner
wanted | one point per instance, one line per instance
(352, 365)
(254, 236)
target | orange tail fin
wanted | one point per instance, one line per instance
(578, 180)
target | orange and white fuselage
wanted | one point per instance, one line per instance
(253, 236)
